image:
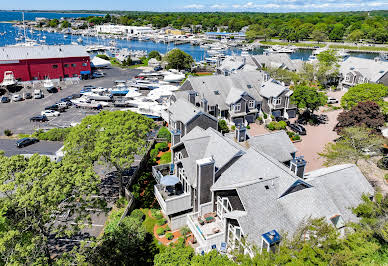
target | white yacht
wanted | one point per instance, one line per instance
(48, 84)
(9, 79)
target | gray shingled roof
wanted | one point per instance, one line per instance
(216, 88)
(272, 88)
(42, 51)
(277, 144)
(371, 69)
(333, 192)
(182, 110)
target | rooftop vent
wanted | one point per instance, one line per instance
(266, 187)
(216, 92)
(249, 86)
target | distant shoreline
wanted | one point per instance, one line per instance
(56, 12)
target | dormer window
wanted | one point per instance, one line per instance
(237, 107)
(277, 101)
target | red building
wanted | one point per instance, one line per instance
(46, 61)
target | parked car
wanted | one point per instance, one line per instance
(332, 100)
(27, 95)
(39, 118)
(98, 75)
(16, 98)
(62, 104)
(297, 128)
(158, 68)
(38, 94)
(50, 113)
(4, 99)
(25, 142)
(52, 90)
(55, 107)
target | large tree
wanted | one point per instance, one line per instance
(363, 114)
(112, 138)
(37, 194)
(355, 143)
(177, 59)
(306, 97)
(366, 92)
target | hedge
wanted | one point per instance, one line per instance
(164, 133)
(160, 231)
(161, 222)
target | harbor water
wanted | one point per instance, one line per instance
(9, 33)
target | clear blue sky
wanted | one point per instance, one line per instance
(199, 5)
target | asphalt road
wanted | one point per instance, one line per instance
(16, 115)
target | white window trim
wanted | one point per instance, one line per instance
(251, 104)
(237, 107)
(276, 101)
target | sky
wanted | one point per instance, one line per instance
(200, 5)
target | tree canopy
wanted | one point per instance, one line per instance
(366, 92)
(113, 138)
(155, 54)
(36, 193)
(177, 59)
(306, 97)
(366, 114)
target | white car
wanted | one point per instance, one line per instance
(331, 100)
(16, 98)
(50, 113)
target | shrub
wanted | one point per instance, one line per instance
(281, 125)
(260, 119)
(103, 56)
(265, 115)
(138, 215)
(386, 177)
(272, 117)
(163, 146)
(153, 154)
(164, 133)
(233, 127)
(160, 231)
(55, 134)
(8, 132)
(20, 136)
(165, 158)
(184, 231)
(296, 137)
(156, 214)
(167, 228)
(248, 127)
(222, 126)
(161, 221)
(271, 126)
(121, 202)
(169, 236)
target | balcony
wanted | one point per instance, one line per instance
(172, 200)
(159, 171)
(208, 229)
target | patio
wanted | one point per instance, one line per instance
(208, 224)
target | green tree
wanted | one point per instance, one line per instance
(366, 92)
(174, 256)
(127, 61)
(222, 126)
(355, 35)
(308, 98)
(155, 54)
(65, 24)
(36, 192)
(177, 59)
(355, 143)
(53, 23)
(111, 138)
(318, 35)
(337, 33)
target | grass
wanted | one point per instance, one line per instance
(300, 44)
(149, 223)
(358, 48)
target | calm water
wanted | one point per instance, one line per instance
(56, 38)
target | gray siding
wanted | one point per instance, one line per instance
(202, 121)
(205, 181)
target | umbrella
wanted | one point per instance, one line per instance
(169, 180)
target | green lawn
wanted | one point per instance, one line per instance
(293, 43)
(149, 223)
(359, 48)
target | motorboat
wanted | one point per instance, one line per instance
(80, 40)
(162, 91)
(244, 53)
(98, 96)
(48, 84)
(9, 79)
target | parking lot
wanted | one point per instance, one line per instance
(16, 115)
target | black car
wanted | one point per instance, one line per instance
(39, 118)
(55, 107)
(158, 68)
(27, 95)
(297, 128)
(52, 90)
(4, 99)
(25, 142)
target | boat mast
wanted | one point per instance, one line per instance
(24, 28)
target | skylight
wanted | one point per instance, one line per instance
(216, 92)
(249, 86)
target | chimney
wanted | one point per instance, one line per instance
(298, 165)
(204, 105)
(241, 133)
(192, 97)
(205, 179)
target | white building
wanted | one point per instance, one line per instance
(121, 29)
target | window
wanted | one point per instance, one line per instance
(84, 64)
(237, 107)
(277, 101)
(66, 65)
(73, 65)
(251, 104)
(347, 78)
(55, 66)
(35, 78)
(66, 75)
(75, 75)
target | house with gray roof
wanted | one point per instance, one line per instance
(238, 196)
(235, 98)
(184, 116)
(355, 70)
(276, 99)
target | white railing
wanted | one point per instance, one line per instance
(173, 204)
